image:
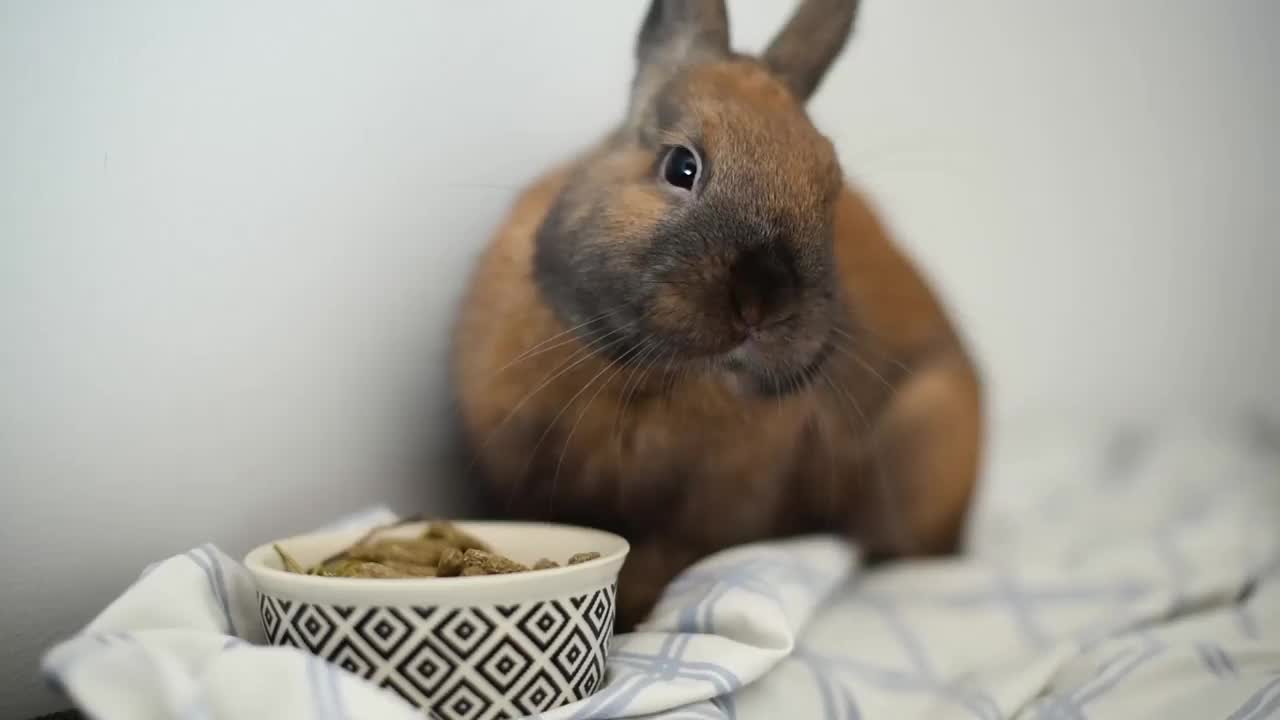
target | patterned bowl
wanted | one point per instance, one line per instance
(465, 648)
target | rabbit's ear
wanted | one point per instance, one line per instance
(680, 32)
(803, 51)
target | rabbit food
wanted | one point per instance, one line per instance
(443, 550)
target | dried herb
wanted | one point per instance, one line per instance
(449, 533)
(416, 552)
(410, 569)
(289, 563)
(369, 536)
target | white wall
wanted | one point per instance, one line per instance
(231, 235)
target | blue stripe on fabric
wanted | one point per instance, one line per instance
(1261, 704)
(827, 688)
(214, 589)
(223, 589)
(1105, 683)
(618, 695)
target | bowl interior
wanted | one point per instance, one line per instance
(523, 542)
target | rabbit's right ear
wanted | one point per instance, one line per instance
(804, 50)
(679, 32)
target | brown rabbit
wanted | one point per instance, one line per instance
(696, 335)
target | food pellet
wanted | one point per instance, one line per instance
(545, 564)
(491, 563)
(583, 557)
(450, 563)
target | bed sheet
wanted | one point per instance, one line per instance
(1113, 572)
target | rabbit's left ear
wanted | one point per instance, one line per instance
(680, 32)
(810, 42)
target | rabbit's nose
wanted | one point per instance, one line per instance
(762, 291)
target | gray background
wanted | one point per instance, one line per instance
(232, 235)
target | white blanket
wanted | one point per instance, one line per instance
(1113, 574)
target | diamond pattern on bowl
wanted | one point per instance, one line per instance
(348, 657)
(473, 663)
(505, 665)
(385, 629)
(539, 695)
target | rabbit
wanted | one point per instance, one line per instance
(697, 335)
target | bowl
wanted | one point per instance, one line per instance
(460, 648)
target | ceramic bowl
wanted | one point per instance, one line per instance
(462, 648)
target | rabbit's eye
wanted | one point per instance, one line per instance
(680, 168)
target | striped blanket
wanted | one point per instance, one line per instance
(1114, 572)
